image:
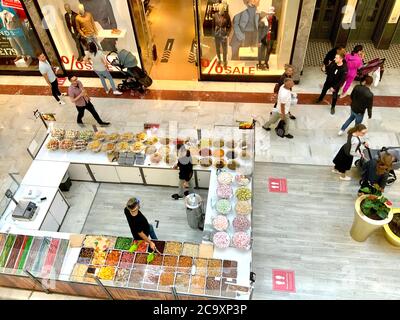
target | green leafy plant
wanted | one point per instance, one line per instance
(374, 205)
(373, 190)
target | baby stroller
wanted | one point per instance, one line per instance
(136, 78)
(371, 67)
(375, 154)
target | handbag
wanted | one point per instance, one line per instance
(280, 129)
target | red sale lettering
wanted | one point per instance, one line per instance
(237, 70)
(252, 70)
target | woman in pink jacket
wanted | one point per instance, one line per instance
(354, 62)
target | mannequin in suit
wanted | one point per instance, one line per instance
(86, 26)
(222, 27)
(70, 20)
(103, 13)
(245, 26)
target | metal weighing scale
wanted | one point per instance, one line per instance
(25, 210)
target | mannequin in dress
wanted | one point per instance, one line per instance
(222, 27)
(86, 26)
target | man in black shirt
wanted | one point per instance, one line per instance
(140, 227)
(362, 99)
(336, 76)
(185, 166)
(330, 56)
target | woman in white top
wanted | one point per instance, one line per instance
(100, 67)
(344, 159)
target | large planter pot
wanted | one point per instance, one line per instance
(390, 236)
(363, 226)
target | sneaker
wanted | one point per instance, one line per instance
(63, 94)
(332, 111)
(103, 124)
(292, 117)
(61, 102)
(289, 136)
(335, 171)
(340, 133)
(117, 93)
(175, 196)
(346, 178)
(267, 129)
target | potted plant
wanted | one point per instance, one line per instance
(372, 211)
(392, 230)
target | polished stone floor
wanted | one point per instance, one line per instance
(314, 242)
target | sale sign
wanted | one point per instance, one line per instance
(278, 185)
(283, 280)
(61, 81)
(16, 4)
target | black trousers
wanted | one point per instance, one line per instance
(89, 107)
(77, 39)
(222, 42)
(335, 95)
(264, 51)
(55, 91)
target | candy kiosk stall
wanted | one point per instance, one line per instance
(35, 256)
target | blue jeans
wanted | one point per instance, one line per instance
(354, 116)
(103, 75)
(152, 234)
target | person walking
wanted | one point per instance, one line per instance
(354, 61)
(283, 108)
(81, 99)
(336, 76)
(362, 99)
(352, 148)
(185, 166)
(48, 74)
(289, 71)
(141, 229)
(99, 62)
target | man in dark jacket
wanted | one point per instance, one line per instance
(336, 76)
(362, 99)
(330, 57)
(70, 20)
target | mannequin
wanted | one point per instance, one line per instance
(103, 14)
(267, 35)
(70, 20)
(245, 26)
(221, 28)
(17, 39)
(86, 26)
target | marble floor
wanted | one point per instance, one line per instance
(320, 273)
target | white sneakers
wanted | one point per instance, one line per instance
(340, 133)
(345, 178)
(117, 93)
(61, 102)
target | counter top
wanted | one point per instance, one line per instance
(45, 173)
(10, 225)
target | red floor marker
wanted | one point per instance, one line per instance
(277, 185)
(61, 81)
(283, 280)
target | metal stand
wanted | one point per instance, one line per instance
(174, 293)
(37, 281)
(37, 115)
(110, 297)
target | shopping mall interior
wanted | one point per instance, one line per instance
(269, 219)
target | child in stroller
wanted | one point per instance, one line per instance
(135, 78)
(377, 167)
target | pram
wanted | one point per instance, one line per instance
(136, 78)
(375, 154)
(370, 67)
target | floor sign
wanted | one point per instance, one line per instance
(283, 280)
(277, 185)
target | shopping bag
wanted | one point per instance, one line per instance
(377, 76)
(294, 99)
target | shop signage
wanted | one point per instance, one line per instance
(16, 4)
(278, 185)
(283, 280)
(61, 81)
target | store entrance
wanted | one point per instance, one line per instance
(171, 25)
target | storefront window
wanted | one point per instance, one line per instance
(73, 24)
(251, 38)
(18, 42)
